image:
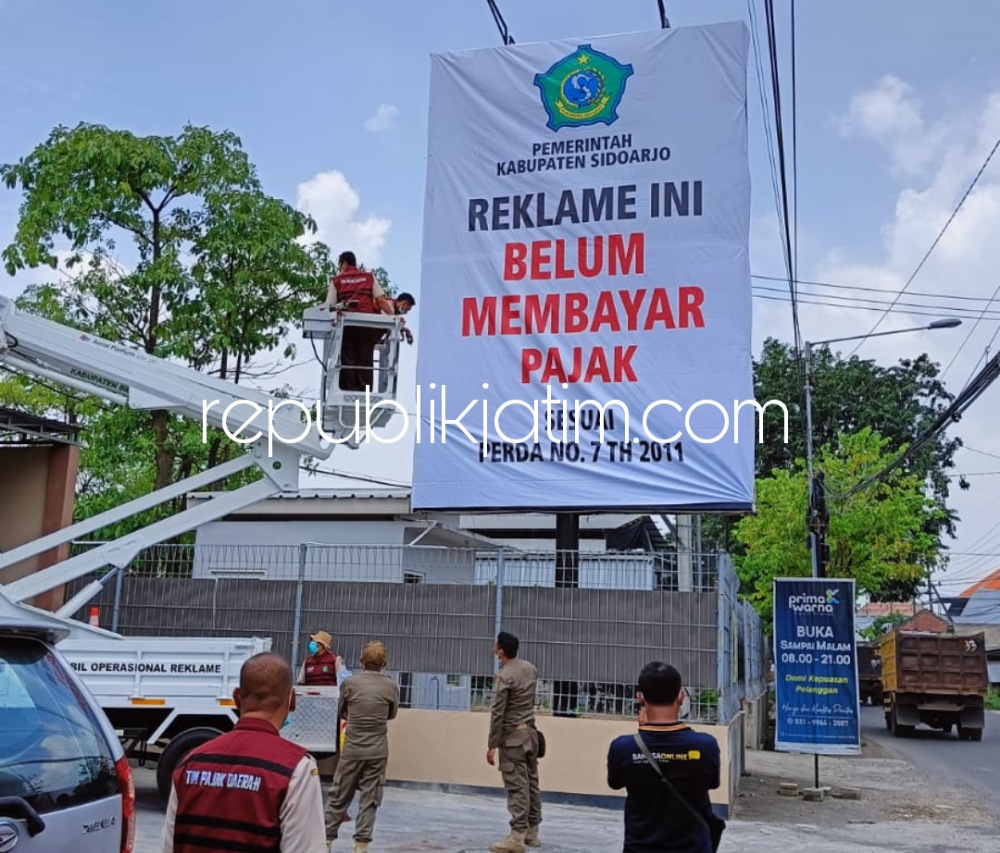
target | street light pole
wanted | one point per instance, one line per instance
(816, 514)
(813, 537)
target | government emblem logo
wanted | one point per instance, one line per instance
(583, 88)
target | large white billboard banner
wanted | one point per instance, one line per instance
(585, 300)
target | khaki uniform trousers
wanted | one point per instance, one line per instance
(519, 769)
(366, 775)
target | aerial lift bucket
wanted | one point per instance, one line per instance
(350, 411)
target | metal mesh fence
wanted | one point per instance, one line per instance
(589, 622)
(753, 672)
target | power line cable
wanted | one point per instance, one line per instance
(966, 397)
(803, 301)
(505, 35)
(360, 477)
(984, 356)
(772, 45)
(975, 326)
(928, 294)
(981, 452)
(937, 239)
(795, 161)
(965, 312)
(765, 114)
(664, 23)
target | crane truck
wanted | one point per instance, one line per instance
(176, 693)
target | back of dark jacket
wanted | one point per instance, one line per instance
(654, 821)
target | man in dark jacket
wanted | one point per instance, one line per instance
(655, 822)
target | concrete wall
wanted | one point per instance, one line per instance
(449, 748)
(755, 722)
(37, 487)
(22, 502)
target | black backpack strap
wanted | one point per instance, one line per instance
(673, 791)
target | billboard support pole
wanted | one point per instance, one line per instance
(567, 575)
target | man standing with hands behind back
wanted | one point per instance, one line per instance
(513, 732)
(368, 700)
(661, 817)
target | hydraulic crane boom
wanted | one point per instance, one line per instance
(275, 432)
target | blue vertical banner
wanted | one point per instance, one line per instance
(817, 707)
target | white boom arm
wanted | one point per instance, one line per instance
(273, 430)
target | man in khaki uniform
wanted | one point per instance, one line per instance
(513, 732)
(368, 700)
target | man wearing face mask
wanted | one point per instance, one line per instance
(324, 667)
(513, 733)
(249, 789)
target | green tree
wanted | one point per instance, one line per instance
(879, 536)
(880, 625)
(897, 402)
(174, 247)
(205, 242)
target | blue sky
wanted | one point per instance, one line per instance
(898, 104)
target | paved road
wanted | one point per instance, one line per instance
(425, 821)
(969, 763)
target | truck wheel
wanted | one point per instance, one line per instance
(969, 734)
(899, 730)
(175, 752)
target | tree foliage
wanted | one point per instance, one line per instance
(897, 402)
(881, 625)
(881, 536)
(173, 247)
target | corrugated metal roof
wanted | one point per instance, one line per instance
(324, 494)
(983, 608)
(990, 582)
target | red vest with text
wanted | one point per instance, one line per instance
(230, 790)
(356, 286)
(321, 669)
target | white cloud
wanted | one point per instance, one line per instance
(890, 114)
(935, 160)
(383, 120)
(334, 204)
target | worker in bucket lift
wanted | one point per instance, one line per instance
(358, 291)
(403, 304)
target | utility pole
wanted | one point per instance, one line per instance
(818, 522)
(817, 515)
(567, 575)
